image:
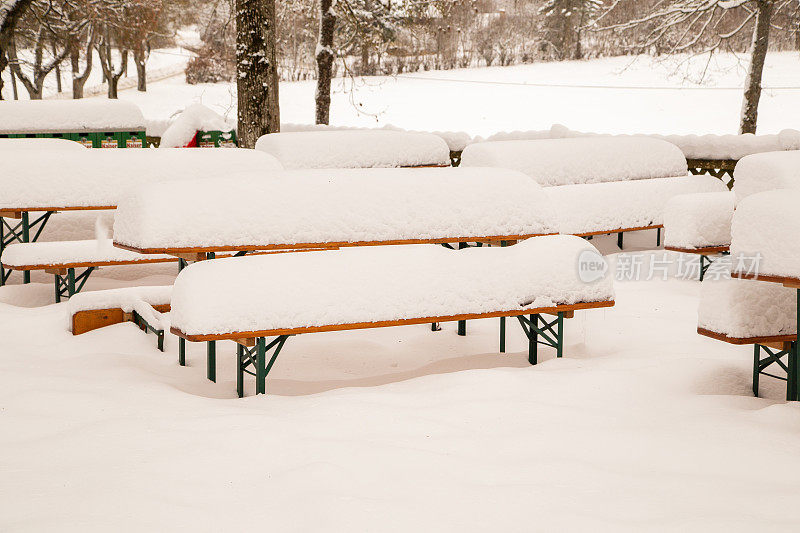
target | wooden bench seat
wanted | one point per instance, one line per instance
(62, 259)
(249, 299)
(140, 305)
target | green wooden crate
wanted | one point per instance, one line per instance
(216, 139)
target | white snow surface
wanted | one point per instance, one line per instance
(282, 291)
(741, 308)
(39, 144)
(699, 220)
(767, 171)
(140, 299)
(622, 204)
(355, 149)
(196, 117)
(334, 205)
(66, 252)
(59, 116)
(58, 178)
(456, 140)
(767, 224)
(581, 160)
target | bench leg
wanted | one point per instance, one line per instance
(619, 240)
(211, 361)
(502, 334)
(26, 275)
(239, 370)
(756, 369)
(658, 237)
(435, 326)
(261, 374)
(462, 327)
(182, 351)
(541, 331)
(20, 232)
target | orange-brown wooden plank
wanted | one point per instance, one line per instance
(390, 323)
(765, 339)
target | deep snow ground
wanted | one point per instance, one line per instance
(643, 425)
(635, 96)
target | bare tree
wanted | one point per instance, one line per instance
(701, 26)
(40, 67)
(257, 72)
(112, 71)
(11, 12)
(325, 57)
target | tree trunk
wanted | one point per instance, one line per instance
(758, 55)
(140, 59)
(257, 72)
(59, 87)
(9, 16)
(327, 25)
(79, 79)
(14, 89)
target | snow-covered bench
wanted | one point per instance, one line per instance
(355, 149)
(741, 311)
(599, 184)
(141, 305)
(331, 209)
(701, 223)
(67, 180)
(61, 259)
(248, 299)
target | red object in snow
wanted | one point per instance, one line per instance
(193, 142)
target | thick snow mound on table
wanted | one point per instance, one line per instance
(584, 160)
(598, 207)
(194, 118)
(699, 220)
(375, 284)
(68, 252)
(39, 144)
(767, 224)
(355, 149)
(58, 178)
(59, 116)
(129, 299)
(334, 205)
(456, 140)
(732, 146)
(741, 308)
(768, 171)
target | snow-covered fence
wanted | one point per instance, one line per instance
(248, 299)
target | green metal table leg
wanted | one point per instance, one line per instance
(533, 341)
(58, 287)
(502, 334)
(239, 371)
(26, 229)
(619, 240)
(71, 282)
(756, 372)
(462, 327)
(658, 237)
(261, 369)
(560, 338)
(211, 361)
(181, 351)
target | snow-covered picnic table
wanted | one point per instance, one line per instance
(247, 299)
(599, 184)
(356, 149)
(48, 181)
(333, 208)
(765, 248)
(69, 116)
